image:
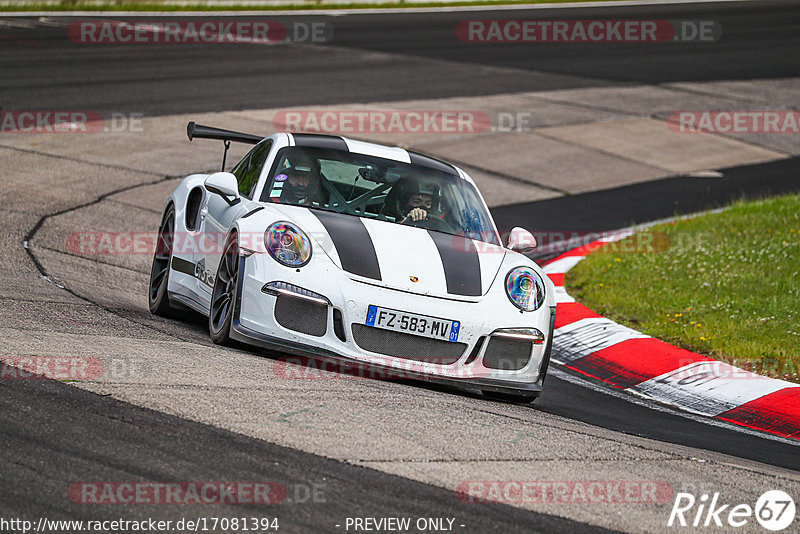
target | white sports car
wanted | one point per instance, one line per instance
(363, 254)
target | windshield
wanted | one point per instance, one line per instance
(378, 188)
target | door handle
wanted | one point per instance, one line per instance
(203, 213)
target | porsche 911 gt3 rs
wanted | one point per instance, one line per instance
(376, 256)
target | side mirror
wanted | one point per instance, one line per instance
(223, 184)
(520, 240)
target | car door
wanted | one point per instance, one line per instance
(219, 214)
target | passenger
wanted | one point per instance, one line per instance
(302, 182)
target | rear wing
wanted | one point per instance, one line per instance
(226, 136)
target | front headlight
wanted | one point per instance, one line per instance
(525, 288)
(287, 244)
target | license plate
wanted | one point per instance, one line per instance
(413, 323)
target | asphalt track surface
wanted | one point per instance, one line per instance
(42, 68)
(43, 421)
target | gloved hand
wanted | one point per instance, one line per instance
(417, 214)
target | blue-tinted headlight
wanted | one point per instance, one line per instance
(287, 244)
(525, 288)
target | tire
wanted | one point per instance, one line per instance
(157, 296)
(223, 296)
(516, 398)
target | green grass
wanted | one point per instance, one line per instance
(166, 6)
(727, 285)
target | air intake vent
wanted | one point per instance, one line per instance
(507, 354)
(406, 346)
(301, 315)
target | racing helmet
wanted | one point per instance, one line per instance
(306, 167)
(410, 187)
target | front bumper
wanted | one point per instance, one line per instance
(254, 322)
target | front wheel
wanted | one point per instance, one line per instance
(158, 299)
(223, 296)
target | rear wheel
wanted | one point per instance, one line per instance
(223, 296)
(158, 299)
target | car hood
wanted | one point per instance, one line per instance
(402, 257)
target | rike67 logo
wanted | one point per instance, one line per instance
(774, 510)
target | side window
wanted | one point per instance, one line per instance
(248, 170)
(241, 167)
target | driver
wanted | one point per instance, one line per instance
(302, 182)
(418, 206)
(416, 202)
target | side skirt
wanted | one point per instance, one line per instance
(189, 302)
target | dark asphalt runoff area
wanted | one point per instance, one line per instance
(622, 207)
(53, 434)
(72, 436)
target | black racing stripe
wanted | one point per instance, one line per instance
(249, 213)
(182, 266)
(432, 163)
(352, 242)
(320, 141)
(462, 267)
